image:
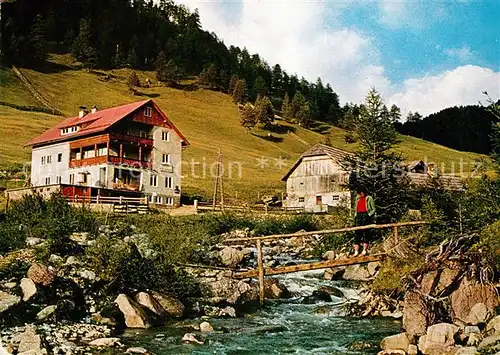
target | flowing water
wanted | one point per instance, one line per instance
(281, 327)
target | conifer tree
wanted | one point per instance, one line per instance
(374, 167)
(232, 83)
(264, 110)
(304, 115)
(167, 72)
(82, 45)
(395, 114)
(248, 118)
(286, 108)
(259, 87)
(298, 102)
(239, 91)
(38, 40)
(133, 80)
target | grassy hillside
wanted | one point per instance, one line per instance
(208, 119)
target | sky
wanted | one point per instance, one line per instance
(421, 55)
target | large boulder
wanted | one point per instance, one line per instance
(273, 289)
(440, 339)
(417, 315)
(172, 306)
(41, 274)
(396, 342)
(135, 316)
(491, 342)
(231, 257)
(229, 290)
(7, 301)
(28, 289)
(478, 314)
(149, 302)
(435, 282)
(493, 327)
(468, 294)
(361, 272)
(334, 273)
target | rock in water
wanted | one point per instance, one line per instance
(468, 294)
(46, 313)
(440, 339)
(171, 305)
(135, 317)
(136, 350)
(7, 301)
(41, 274)
(148, 301)
(416, 314)
(206, 327)
(273, 289)
(29, 341)
(105, 342)
(396, 342)
(231, 257)
(191, 338)
(28, 288)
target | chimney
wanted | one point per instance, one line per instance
(83, 111)
(94, 109)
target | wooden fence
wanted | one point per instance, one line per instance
(208, 207)
(261, 271)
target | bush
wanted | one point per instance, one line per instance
(489, 245)
(390, 280)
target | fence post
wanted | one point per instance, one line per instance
(196, 206)
(261, 271)
(97, 199)
(396, 236)
(120, 200)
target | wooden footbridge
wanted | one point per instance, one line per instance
(261, 271)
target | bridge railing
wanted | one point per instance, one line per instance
(321, 265)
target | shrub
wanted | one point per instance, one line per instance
(390, 280)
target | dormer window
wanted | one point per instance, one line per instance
(148, 112)
(69, 130)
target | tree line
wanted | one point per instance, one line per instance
(167, 37)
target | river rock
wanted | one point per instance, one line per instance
(493, 327)
(136, 350)
(469, 350)
(479, 313)
(172, 306)
(468, 294)
(490, 341)
(361, 346)
(32, 241)
(329, 255)
(273, 289)
(7, 301)
(55, 259)
(206, 327)
(227, 312)
(135, 317)
(412, 349)
(361, 272)
(440, 339)
(396, 342)
(231, 257)
(46, 313)
(416, 314)
(29, 341)
(317, 296)
(190, 338)
(105, 342)
(474, 339)
(41, 274)
(332, 291)
(28, 288)
(333, 274)
(149, 302)
(72, 260)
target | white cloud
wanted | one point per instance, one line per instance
(463, 54)
(307, 38)
(461, 86)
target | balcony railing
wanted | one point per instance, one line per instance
(133, 163)
(132, 139)
(87, 161)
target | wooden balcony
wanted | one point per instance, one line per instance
(88, 161)
(133, 163)
(131, 139)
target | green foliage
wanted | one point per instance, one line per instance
(82, 48)
(489, 244)
(38, 39)
(374, 168)
(238, 93)
(248, 117)
(264, 111)
(133, 80)
(232, 83)
(304, 115)
(209, 77)
(287, 111)
(167, 72)
(390, 280)
(259, 87)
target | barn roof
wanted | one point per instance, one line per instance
(449, 182)
(334, 154)
(96, 122)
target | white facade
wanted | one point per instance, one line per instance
(317, 184)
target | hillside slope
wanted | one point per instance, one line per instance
(254, 162)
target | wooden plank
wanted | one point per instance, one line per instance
(311, 266)
(328, 231)
(260, 271)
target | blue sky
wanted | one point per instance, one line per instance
(421, 55)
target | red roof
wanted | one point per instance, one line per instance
(96, 122)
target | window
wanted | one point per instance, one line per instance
(58, 179)
(159, 200)
(169, 201)
(165, 159)
(148, 111)
(47, 181)
(301, 199)
(319, 200)
(335, 197)
(49, 159)
(165, 136)
(153, 180)
(69, 130)
(71, 179)
(59, 157)
(42, 161)
(168, 182)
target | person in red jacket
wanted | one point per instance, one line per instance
(364, 214)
